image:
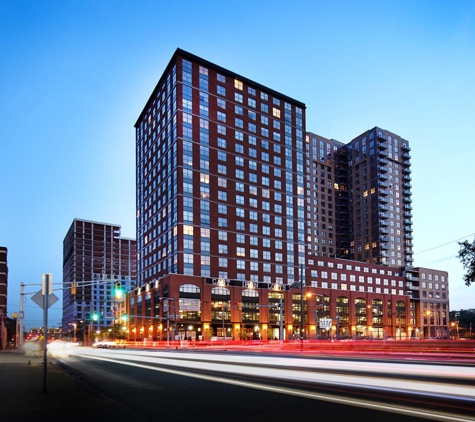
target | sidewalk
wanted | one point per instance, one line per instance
(23, 396)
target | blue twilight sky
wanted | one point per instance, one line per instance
(74, 76)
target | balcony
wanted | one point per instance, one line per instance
(407, 177)
(409, 252)
(384, 239)
(383, 215)
(383, 184)
(383, 176)
(406, 156)
(383, 169)
(384, 230)
(383, 222)
(408, 229)
(383, 161)
(408, 214)
(410, 286)
(411, 277)
(383, 192)
(406, 169)
(407, 207)
(407, 185)
(409, 236)
(383, 199)
(382, 152)
(407, 199)
(385, 246)
(405, 147)
(383, 207)
(409, 259)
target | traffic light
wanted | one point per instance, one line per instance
(118, 290)
(95, 317)
(239, 306)
(124, 317)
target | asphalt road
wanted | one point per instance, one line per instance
(155, 390)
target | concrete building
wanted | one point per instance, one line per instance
(95, 260)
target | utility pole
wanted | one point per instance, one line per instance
(22, 288)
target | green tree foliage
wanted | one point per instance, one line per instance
(467, 257)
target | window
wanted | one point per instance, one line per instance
(221, 90)
(221, 103)
(221, 143)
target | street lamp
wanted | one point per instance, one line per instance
(168, 317)
(74, 324)
(428, 313)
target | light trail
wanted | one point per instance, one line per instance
(292, 370)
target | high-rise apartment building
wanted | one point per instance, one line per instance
(220, 177)
(95, 258)
(360, 198)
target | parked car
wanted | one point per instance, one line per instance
(107, 344)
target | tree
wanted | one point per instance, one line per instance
(467, 257)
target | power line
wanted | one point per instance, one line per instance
(445, 244)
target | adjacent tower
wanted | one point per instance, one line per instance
(95, 257)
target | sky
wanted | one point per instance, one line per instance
(75, 75)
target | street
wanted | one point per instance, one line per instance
(237, 386)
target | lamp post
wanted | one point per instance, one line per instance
(428, 323)
(168, 316)
(74, 324)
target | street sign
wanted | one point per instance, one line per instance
(325, 323)
(38, 298)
